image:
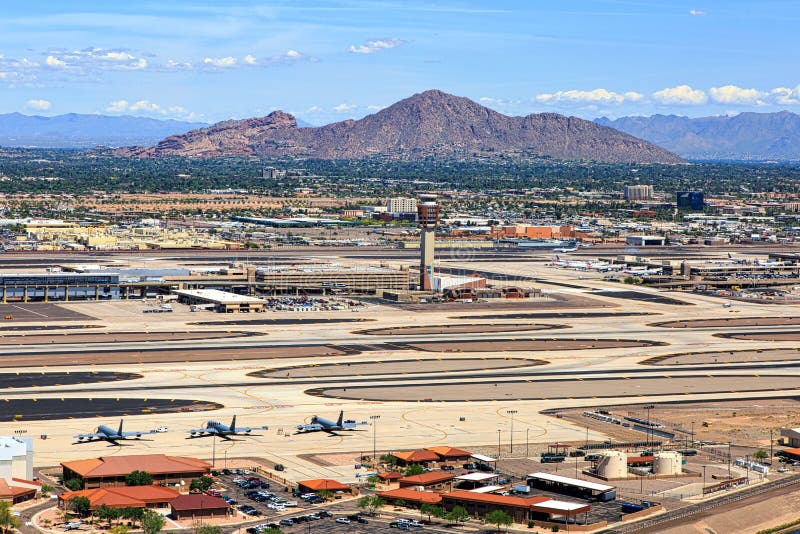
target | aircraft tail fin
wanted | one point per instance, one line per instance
(233, 424)
(341, 418)
(120, 427)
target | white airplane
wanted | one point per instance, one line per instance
(642, 271)
(105, 433)
(609, 267)
(565, 250)
(558, 262)
(215, 428)
(760, 263)
(320, 424)
(738, 261)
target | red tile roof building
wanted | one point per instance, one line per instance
(196, 505)
(432, 481)
(322, 484)
(421, 456)
(111, 470)
(412, 496)
(124, 496)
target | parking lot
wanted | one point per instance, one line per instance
(331, 511)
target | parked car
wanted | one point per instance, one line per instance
(343, 520)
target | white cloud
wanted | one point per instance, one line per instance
(783, 96)
(147, 107)
(171, 64)
(117, 56)
(596, 96)
(52, 61)
(39, 104)
(732, 94)
(293, 54)
(343, 107)
(697, 12)
(373, 107)
(250, 59)
(118, 106)
(376, 45)
(144, 105)
(314, 109)
(221, 62)
(681, 95)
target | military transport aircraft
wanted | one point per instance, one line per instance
(320, 424)
(105, 433)
(215, 428)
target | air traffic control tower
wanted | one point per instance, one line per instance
(428, 220)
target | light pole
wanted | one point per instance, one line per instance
(527, 443)
(374, 419)
(704, 476)
(498, 443)
(649, 424)
(692, 434)
(511, 413)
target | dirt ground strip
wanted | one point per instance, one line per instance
(434, 365)
(563, 389)
(475, 328)
(116, 337)
(723, 356)
(501, 345)
(762, 336)
(729, 322)
(165, 356)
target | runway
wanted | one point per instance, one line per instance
(584, 388)
(48, 409)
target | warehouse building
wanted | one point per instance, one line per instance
(220, 301)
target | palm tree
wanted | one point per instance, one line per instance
(7, 520)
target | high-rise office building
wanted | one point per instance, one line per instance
(638, 192)
(690, 200)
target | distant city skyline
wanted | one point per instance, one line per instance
(324, 61)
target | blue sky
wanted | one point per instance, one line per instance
(331, 60)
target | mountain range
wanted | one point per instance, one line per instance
(75, 130)
(428, 124)
(746, 136)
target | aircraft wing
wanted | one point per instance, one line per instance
(90, 437)
(135, 434)
(201, 431)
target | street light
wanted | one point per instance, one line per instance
(374, 419)
(498, 443)
(527, 442)
(511, 413)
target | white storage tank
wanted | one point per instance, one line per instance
(667, 463)
(613, 465)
